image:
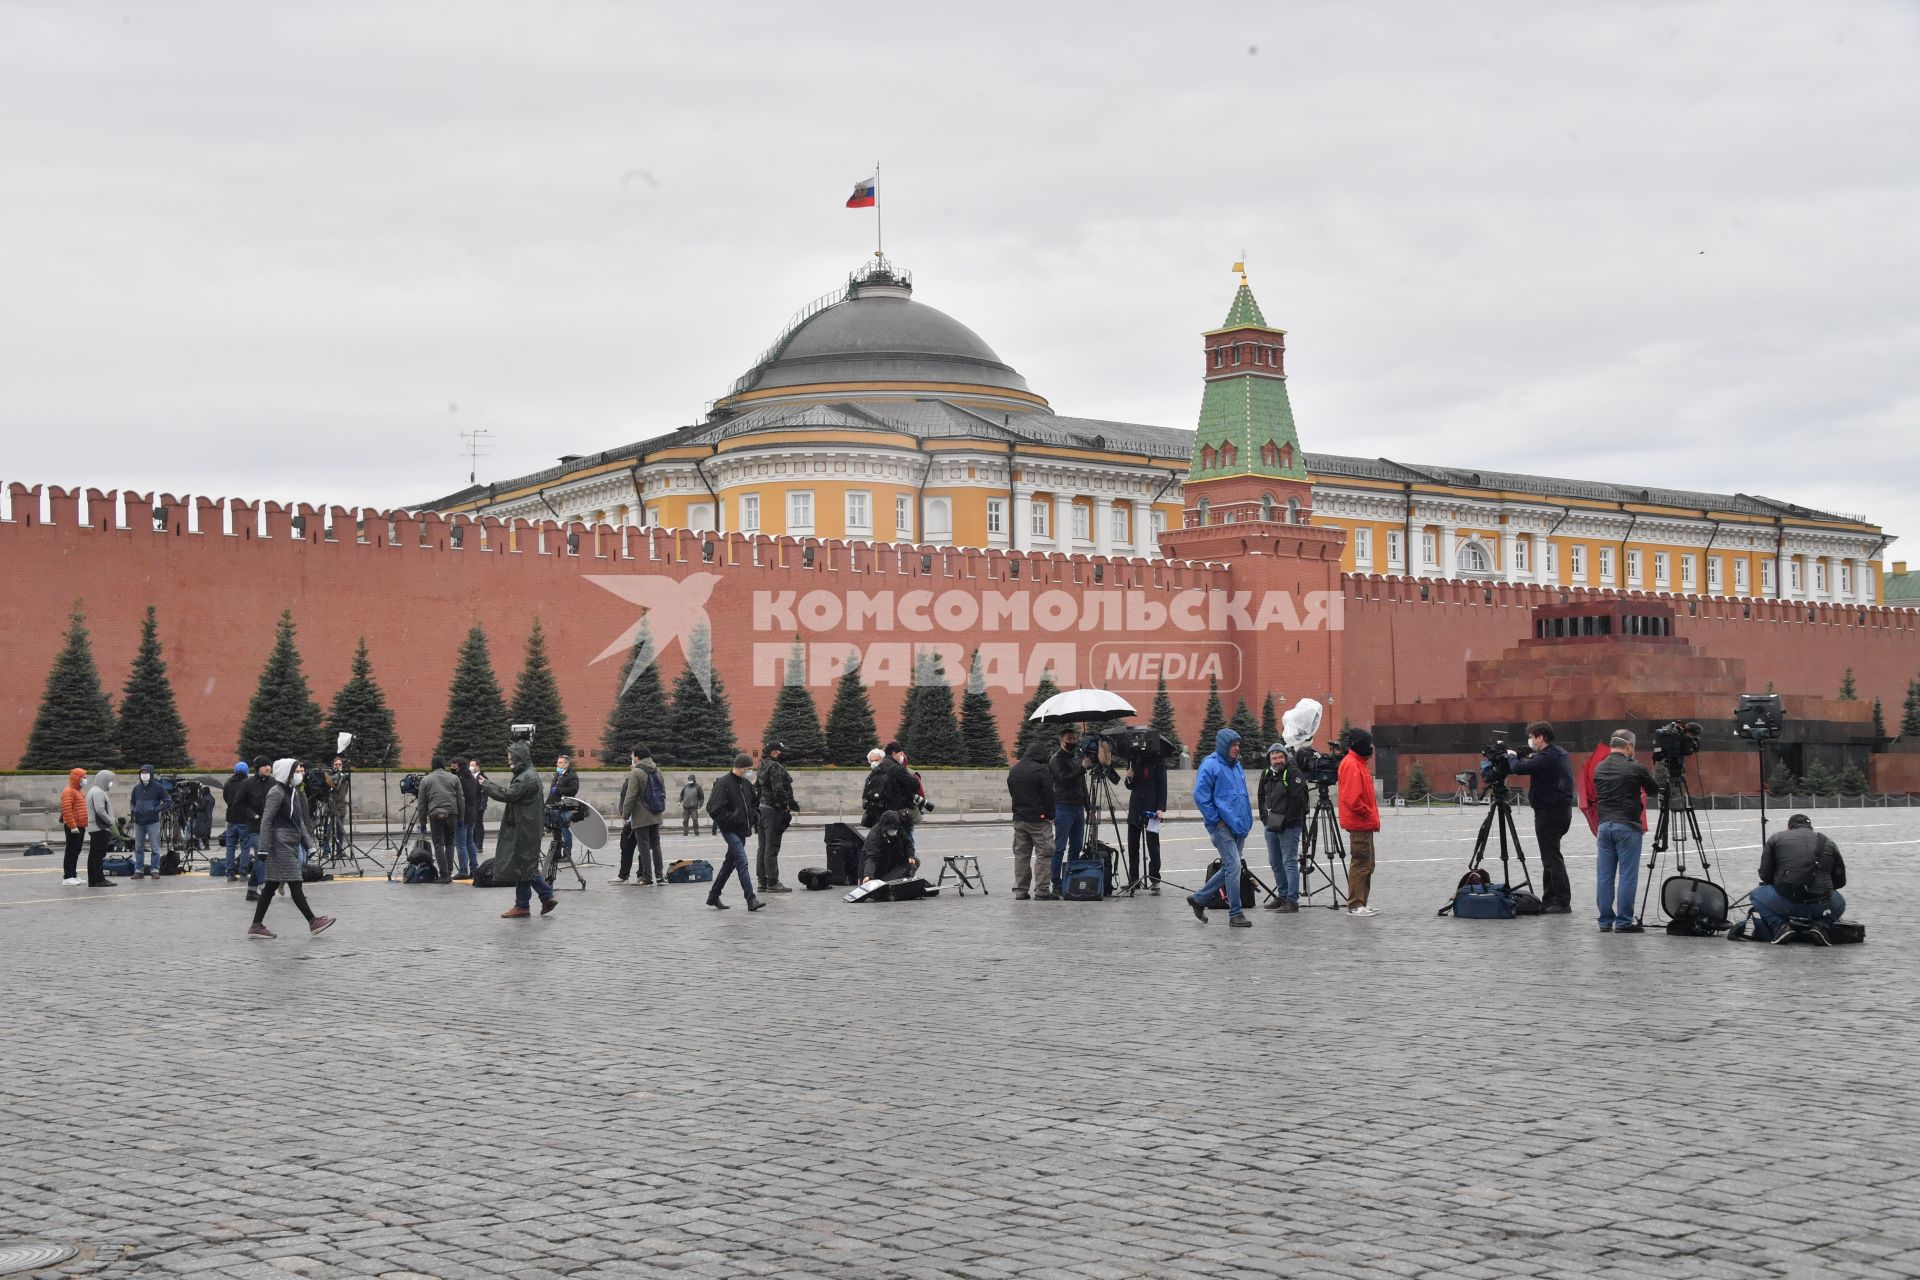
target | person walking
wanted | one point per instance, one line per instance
(1220, 793)
(777, 807)
(1620, 785)
(692, 799)
(733, 810)
(73, 821)
(1283, 816)
(284, 827)
(239, 839)
(444, 805)
(516, 851)
(1359, 818)
(99, 829)
(259, 780)
(144, 807)
(643, 806)
(1030, 787)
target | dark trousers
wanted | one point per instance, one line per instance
(690, 821)
(76, 836)
(646, 841)
(1135, 837)
(97, 845)
(440, 828)
(294, 891)
(734, 864)
(1549, 825)
(773, 826)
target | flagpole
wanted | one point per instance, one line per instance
(879, 233)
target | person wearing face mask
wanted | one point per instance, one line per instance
(565, 785)
(145, 805)
(99, 829)
(284, 827)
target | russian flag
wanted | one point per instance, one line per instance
(863, 195)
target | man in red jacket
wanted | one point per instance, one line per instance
(1359, 818)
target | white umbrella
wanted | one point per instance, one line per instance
(1082, 704)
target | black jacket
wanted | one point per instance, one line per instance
(563, 785)
(1283, 797)
(474, 799)
(898, 791)
(731, 805)
(259, 782)
(1618, 787)
(776, 786)
(238, 793)
(1147, 790)
(1030, 783)
(1069, 774)
(1552, 778)
(1802, 864)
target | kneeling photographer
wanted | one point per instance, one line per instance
(1550, 793)
(1801, 874)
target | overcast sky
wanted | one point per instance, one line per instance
(293, 250)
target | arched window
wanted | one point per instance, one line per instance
(1227, 454)
(939, 520)
(1286, 456)
(1474, 559)
(1206, 457)
(1269, 456)
(1266, 506)
(1293, 511)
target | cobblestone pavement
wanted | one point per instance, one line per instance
(638, 1086)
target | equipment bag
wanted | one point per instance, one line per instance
(1249, 890)
(1526, 904)
(909, 890)
(217, 867)
(655, 796)
(483, 876)
(420, 873)
(844, 845)
(815, 878)
(1083, 880)
(689, 871)
(117, 866)
(872, 792)
(169, 863)
(311, 870)
(1483, 902)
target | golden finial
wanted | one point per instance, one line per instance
(1241, 267)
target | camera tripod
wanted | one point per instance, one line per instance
(1675, 798)
(334, 831)
(1100, 796)
(408, 840)
(1323, 834)
(1500, 818)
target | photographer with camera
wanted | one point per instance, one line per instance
(1283, 816)
(1030, 787)
(777, 807)
(1220, 793)
(1359, 818)
(1068, 769)
(1620, 785)
(1801, 874)
(1146, 807)
(1550, 792)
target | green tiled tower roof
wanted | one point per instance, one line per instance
(1247, 410)
(1245, 311)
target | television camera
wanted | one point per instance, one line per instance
(410, 785)
(1496, 765)
(1129, 743)
(520, 733)
(1674, 741)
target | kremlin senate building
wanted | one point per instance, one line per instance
(876, 417)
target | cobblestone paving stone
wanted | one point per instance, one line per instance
(638, 1086)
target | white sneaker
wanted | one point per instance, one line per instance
(1362, 911)
(70, 881)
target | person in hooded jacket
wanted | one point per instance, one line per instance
(240, 839)
(693, 798)
(1146, 800)
(144, 807)
(259, 782)
(1220, 793)
(73, 820)
(1359, 818)
(1030, 786)
(1283, 816)
(516, 851)
(99, 829)
(284, 828)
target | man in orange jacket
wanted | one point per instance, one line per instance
(73, 819)
(1359, 818)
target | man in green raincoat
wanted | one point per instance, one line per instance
(516, 854)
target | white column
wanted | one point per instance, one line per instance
(1102, 526)
(1020, 535)
(1861, 594)
(1144, 543)
(1782, 573)
(1443, 550)
(1508, 539)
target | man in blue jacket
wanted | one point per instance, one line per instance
(148, 802)
(1220, 793)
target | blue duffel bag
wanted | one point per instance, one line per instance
(1482, 902)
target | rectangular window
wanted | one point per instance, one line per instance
(1043, 517)
(1082, 522)
(1846, 578)
(1394, 550)
(1118, 531)
(1740, 572)
(902, 518)
(750, 513)
(1606, 564)
(1866, 583)
(800, 512)
(1820, 577)
(997, 516)
(859, 511)
(1713, 574)
(1577, 557)
(1520, 554)
(1159, 523)
(1662, 566)
(1427, 550)
(1686, 573)
(1793, 575)
(1363, 547)
(1767, 575)
(1552, 554)
(653, 517)
(1633, 567)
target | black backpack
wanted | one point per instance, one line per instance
(873, 796)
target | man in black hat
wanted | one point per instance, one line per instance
(775, 786)
(1801, 874)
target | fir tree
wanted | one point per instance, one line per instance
(1211, 722)
(1247, 727)
(1419, 786)
(1819, 780)
(1032, 730)
(1879, 721)
(1910, 711)
(638, 716)
(1850, 781)
(1163, 721)
(851, 732)
(986, 749)
(795, 722)
(476, 720)
(360, 708)
(1847, 692)
(1780, 780)
(536, 699)
(283, 720)
(151, 730)
(701, 720)
(75, 726)
(931, 734)
(1269, 721)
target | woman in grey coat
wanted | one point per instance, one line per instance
(283, 828)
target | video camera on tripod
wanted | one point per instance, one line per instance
(1674, 741)
(1321, 768)
(1496, 760)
